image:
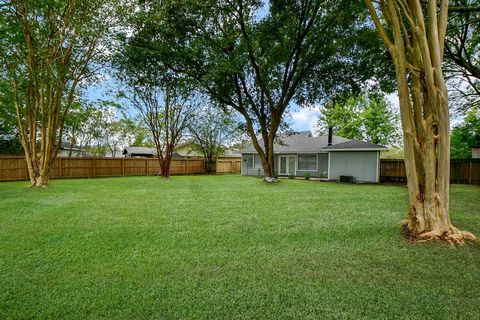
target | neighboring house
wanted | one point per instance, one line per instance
(143, 152)
(69, 150)
(476, 152)
(138, 152)
(476, 149)
(187, 149)
(232, 153)
(323, 157)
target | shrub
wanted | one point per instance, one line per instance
(291, 176)
(307, 176)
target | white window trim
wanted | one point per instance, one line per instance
(316, 164)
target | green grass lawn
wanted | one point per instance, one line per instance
(228, 247)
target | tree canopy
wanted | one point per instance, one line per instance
(47, 51)
(462, 48)
(466, 135)
(362, 117)
(258, 57)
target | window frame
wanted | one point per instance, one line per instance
(307, 154)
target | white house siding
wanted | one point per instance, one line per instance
(362, 165)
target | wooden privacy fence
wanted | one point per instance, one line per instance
(228, 165)
(461, 171)
(15, 168)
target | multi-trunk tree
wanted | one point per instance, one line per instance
(415, 37)
(258, 57)
(46, 53)
(167, 114)
(212, 130)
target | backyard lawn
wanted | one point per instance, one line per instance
(228, 247)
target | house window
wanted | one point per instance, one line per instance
(307, 162)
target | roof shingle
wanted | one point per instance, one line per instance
(304, 142)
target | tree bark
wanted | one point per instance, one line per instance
(165, 163)
(417, 52)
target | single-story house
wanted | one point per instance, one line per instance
(70, 150)
(187, 149)
(144, 152)
(476, 149)
(327, 157)
(138, 152)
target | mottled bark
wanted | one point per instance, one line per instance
(416, 46)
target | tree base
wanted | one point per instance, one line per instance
(452, 235)
(270, 179)
(39, 182)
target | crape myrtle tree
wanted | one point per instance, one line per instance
(167, 112)
(258, 57)
(414, 33)
(46, 52)
(212, 130)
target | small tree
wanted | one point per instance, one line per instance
(212, 129)
(416, 45)
(167, 122)
(46, 52)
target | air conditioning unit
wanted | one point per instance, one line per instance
(349, 179)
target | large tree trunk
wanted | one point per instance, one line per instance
(269, 161)
(417, 52)
(165, 163)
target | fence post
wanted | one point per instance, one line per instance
(470, 172)
(94, 168)
(123, 167)
(61, 167)
(26, 169)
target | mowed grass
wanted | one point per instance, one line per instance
(228, 247)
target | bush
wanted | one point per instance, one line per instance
(292, 176)
(307, 176)
(275, 174)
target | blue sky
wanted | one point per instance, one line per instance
(299, 119)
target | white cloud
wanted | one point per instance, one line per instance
(304, 119)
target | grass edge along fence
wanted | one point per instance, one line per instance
(466, 171)
(14, 168)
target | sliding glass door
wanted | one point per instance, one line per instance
(287, 165)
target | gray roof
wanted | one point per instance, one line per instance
(355, 144)
(139, 150)
(304, 142)
(146, 151)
